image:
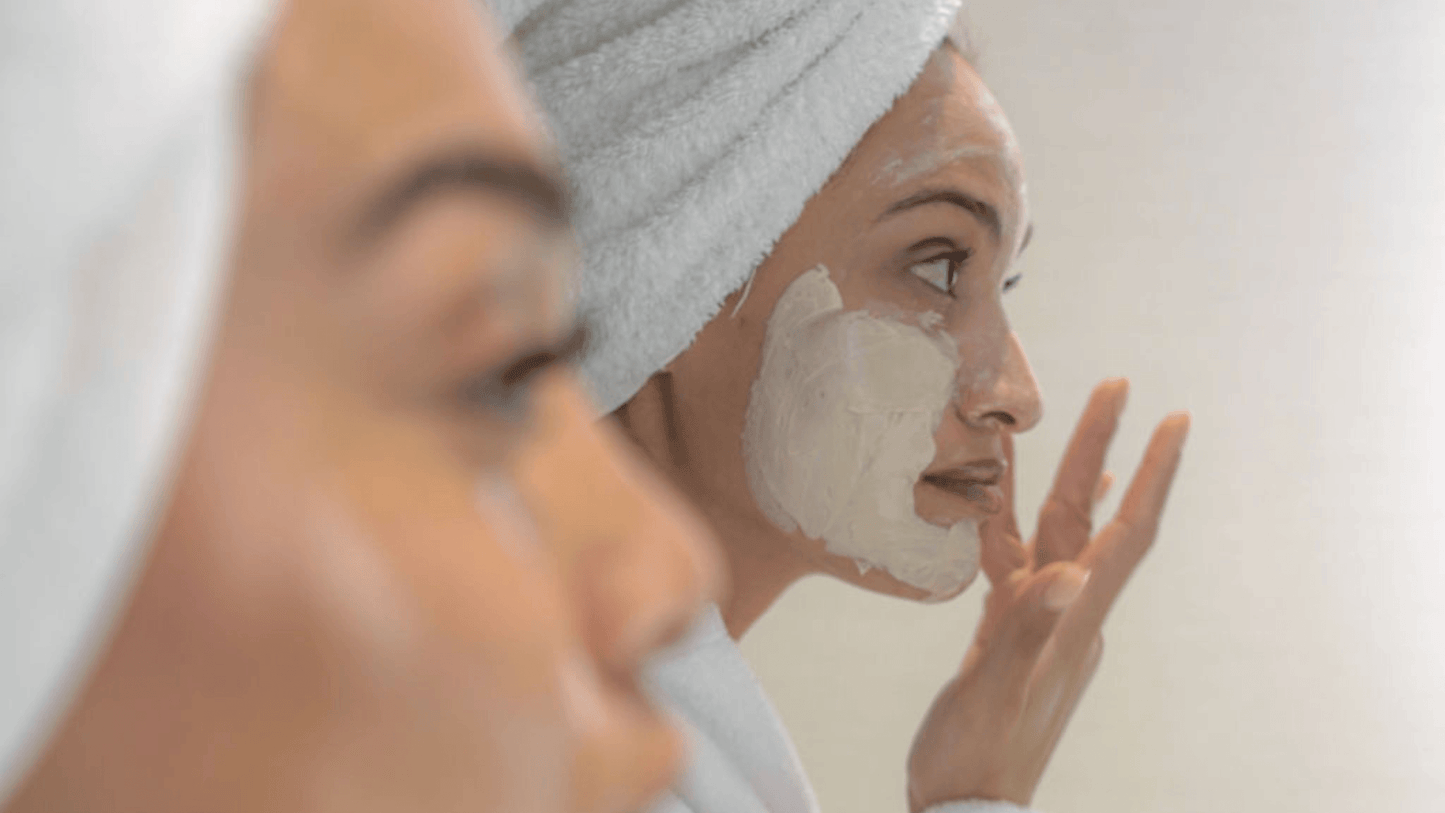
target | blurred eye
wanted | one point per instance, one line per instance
(506, 393)
(1012, 282)
(941, 271)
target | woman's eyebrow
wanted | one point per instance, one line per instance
(520, 181)
(530, 362)
(982, 210)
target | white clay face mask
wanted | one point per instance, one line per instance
(840, 427)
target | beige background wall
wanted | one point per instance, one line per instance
(1241, 206)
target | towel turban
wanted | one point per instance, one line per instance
(693, 132)
(119, 126)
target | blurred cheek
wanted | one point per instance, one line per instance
(333, 615)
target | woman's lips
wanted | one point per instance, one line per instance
(977, 482)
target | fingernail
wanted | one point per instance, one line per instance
(1066, 587)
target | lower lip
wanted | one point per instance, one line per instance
(988, 499)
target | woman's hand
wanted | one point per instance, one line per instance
(993, 727)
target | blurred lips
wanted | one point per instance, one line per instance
(977, 481)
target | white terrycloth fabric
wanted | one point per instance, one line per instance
(742, 760)
(693, 131)
(118, 127)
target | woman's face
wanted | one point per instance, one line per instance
(918, 232)
(401, 568)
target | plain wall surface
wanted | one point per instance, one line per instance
(1240, 206)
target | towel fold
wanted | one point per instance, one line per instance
(693, 132)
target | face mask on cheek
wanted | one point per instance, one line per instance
(840, 427)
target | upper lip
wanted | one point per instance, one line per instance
(987, 472)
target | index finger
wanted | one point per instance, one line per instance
(1064, 522)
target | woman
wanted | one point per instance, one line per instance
(315, 607)
(799, 220)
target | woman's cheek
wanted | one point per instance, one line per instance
(840, 428)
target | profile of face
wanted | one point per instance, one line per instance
(872, 339)
(401, 567)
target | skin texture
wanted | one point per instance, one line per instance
(995, 724)
(386, 579)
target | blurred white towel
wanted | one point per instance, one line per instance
(120, 130)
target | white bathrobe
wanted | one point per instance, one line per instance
(742, 760)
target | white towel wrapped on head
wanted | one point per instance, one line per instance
(121, 126)
(693, 132)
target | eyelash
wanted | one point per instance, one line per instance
(507, 394)
(955, 260)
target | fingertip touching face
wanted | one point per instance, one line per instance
(916, 236)
(402, 568)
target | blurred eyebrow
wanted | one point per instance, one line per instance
(1028, 237)
(566, 350)
(521, 182)
(983, 211)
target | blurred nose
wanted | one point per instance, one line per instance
(659, 567)
(640, 560)
(1008, 399)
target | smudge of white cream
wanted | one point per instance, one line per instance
(950, 133)
(840, 427)
(899, 169)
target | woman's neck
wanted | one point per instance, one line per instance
(761, 565)
(760, 569)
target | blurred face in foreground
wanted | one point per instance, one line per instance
(401, 568)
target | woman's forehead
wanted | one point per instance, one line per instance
(948, 118)
(391, 80)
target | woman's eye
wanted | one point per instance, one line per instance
(494, 398)
(507, 393)
(942, 271)
(1012, 282)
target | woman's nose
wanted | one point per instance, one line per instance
(659, 568)
(639, 559)
(1009, 398)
